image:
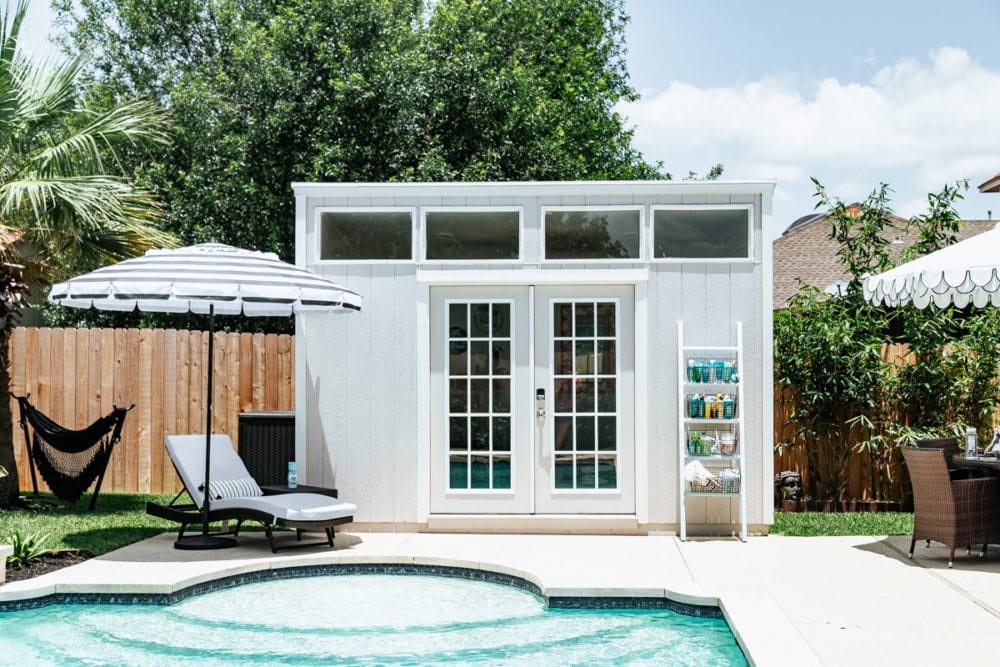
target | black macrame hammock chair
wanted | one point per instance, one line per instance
(69, 460)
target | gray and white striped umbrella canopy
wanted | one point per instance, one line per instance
(190, 279)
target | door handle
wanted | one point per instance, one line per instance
(540, 407)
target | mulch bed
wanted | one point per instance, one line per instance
(48, 563)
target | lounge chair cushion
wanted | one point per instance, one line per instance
(242, 487)
(292, 506)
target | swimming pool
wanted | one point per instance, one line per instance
(362, 619)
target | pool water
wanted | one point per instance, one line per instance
(362, 620)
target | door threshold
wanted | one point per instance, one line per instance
(533, 523)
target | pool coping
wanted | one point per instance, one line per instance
(659, 579)
(345, 569)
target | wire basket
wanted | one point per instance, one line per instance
(712, 477)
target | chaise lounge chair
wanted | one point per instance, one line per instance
(237, 497)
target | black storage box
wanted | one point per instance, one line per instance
(266, 443)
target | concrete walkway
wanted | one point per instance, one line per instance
(790, 601)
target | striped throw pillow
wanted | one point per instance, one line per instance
(244, 487)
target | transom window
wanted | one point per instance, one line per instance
(589, 234)
(492, 234)
(721, 233)
(366, 234)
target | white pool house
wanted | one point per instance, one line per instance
(529, 355)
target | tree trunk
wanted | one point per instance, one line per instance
(9, 485)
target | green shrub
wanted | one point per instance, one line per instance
(27, 548)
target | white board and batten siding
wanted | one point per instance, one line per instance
(362, 380)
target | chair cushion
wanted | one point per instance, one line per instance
(293, 506)
(242, 487)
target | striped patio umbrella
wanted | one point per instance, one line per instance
(213, 279)
(967, 272)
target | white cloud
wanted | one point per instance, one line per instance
(917, 124)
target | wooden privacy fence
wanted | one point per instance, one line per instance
(859, 470)
(75, 375)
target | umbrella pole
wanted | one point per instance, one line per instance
(206, 541)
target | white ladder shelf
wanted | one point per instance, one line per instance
(718, 459)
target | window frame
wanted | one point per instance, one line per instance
(424, 210)
(320, 210)
(751, 250)
(640, 208)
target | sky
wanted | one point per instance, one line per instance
(854, 93)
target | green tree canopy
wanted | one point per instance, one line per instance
(264, 93)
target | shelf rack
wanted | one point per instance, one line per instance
(720, 481)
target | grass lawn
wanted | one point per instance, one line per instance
(118, 520)
(813, 524)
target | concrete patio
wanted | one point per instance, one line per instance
(790, 601)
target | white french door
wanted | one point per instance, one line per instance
(532, 392)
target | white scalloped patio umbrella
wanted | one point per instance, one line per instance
(213, 279)
(967, 272)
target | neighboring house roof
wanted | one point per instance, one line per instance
(805, 251)
(991, 184)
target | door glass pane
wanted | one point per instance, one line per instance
(563, 471)
(479, 394)
(458, 401)
(607, 433)
(480, 357)
(501, 472)
(501, 395)
(480, 440)
(605, 319)
(607, 472)
(458, 361)
(564, 396)
(585, 403)
(606, 394)
(585, 434)
(584, 357)
(606, 357)
(458, 472)
(501, 358)
(480, 320)
(564, 434)
(500, 320)
(585, 472)
(501, 434)
(480, 472)
(584, 395)
(458, 320)
(459, 429)
(563, 318)
(584, 319)
(564, 357)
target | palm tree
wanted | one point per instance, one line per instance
(65, 205)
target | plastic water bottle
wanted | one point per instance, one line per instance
(293, 474)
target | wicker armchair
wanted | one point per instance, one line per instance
(956, 512)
